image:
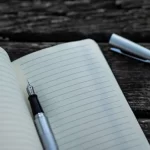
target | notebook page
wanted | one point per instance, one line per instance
(17, 131)
(82, 99)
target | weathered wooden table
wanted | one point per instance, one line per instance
(27, 26)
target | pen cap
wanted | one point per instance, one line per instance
(129, 46)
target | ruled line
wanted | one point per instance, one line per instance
(81, 94)
(131, 147)
(74, 96)
(76, 89)
(65, 70)
(103, 130)
(58, 62)
(52, 53)
(9, 87)
(70, 75)
(57, 67)
(9, 109)
(6, 96)
(6, 67)
(107, 140)
(13, 79)
(70, 80)
(6, 64)
(29, 137)
(27, 128)
(91, 128)
(27, 133)
(82, 111)
(82, 100)
(11, 90)
(114, 139)
(88, 122)
(86, 109)
(44, 61)
(86, 116)
(88, 127)
(9, 79)
(77, 95)
(135, 139)
(6, 71)
(62, 76)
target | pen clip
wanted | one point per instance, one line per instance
(122, 53)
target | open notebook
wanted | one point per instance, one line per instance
(79, 94)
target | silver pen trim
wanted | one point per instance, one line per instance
(45, 132)
(122, 53)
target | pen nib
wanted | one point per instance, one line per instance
(30, 89)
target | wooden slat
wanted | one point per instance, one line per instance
(66, 20)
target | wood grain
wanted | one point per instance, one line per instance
(132, 76)
(26, 25)
(67, 20)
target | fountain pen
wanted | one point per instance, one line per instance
(42, 125)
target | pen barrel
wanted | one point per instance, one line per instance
(129, 46)
(35, 105)
(45, 132)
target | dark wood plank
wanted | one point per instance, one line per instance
(132, 76)
(66, 20)
(145, 125)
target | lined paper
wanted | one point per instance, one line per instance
(81, 98)
(17, 131)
